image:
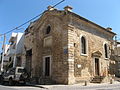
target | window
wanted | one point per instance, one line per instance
(21, 70)
(83, 45)
(48, 30)
(11, 71)
(106, 50)
(19, 61)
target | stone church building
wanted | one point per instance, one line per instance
(63, 47)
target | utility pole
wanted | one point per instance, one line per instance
(3, 52)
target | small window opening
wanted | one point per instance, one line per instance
(83, 45)
(48, 30)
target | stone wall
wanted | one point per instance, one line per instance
(57, 51)
(83, 68)
(67, 64)
(28, 45)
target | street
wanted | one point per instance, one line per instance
(115, 86)
(19, 88)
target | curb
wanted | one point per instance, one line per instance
(35, 85)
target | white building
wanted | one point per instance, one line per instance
(4, 57)
(16, 49)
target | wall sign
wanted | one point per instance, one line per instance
(65, 50)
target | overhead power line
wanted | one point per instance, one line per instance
(29, 20)
(58, 3)
(23, 24)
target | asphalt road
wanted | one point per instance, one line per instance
(64, 87)
(19, 88)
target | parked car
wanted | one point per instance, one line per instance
(15, 75)
(1, 77)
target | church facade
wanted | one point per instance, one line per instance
(67, 48)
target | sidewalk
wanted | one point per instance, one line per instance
(75, 85)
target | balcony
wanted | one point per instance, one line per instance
(13, 36)
(11, 51)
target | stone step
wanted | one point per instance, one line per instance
(97, 79)
(95, 82)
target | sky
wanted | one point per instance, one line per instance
(15, 12)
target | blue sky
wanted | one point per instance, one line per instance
(15, 12)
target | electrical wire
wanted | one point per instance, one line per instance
(58, 3)
(29, 20)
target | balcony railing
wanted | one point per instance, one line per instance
(11, 51)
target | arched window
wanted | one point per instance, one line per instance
(106, 50)
(83, 45)
(48, 30)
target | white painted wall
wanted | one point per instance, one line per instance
(18, 39)
(20, 43)
(5, 57)
(19, 46)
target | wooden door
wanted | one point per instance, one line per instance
(97, 73)
(47, 66)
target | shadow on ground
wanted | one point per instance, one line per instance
(26, 85)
